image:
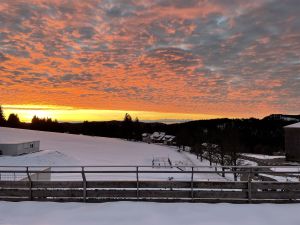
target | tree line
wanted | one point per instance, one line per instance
(12, 121)
(232, 136)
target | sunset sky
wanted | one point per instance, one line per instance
(77, 60)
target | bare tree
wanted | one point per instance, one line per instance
(198, 150)
(232, 146)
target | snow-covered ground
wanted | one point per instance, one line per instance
(82, 150)
(65, 149)
(137, 213)
(260, 156)
(286, 169)
(78, 150)
(281, 178)
(245, 162)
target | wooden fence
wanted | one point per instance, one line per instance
(190, 188)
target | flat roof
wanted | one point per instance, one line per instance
(12, 142)
(295, 125)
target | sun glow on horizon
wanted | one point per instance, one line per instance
(70, 114)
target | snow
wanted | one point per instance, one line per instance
(19, 141)
(136, 213)
(259, 156)
(83, 150)
(60, 149)
(286, 169)
(47, 158)
(281, 178)
(245, 162)
(66, 149)
(295, 125)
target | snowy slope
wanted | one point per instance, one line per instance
(78, 150)
(68, 149)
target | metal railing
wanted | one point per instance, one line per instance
(195, 183)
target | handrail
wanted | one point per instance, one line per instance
(146, 171)
(141, 166)
(164, 169)
(189, 187)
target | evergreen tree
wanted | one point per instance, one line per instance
(13, 121)
(137, 130)
(128, 127)
(2, 118)
(127, 118)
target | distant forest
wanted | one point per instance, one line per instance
(265, 136)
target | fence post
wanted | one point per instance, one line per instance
(192, 184)
(249, 186)
(234, 173)
(137, 183)
(30, 183)
(84, 184)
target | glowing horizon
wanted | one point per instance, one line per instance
(70, 114)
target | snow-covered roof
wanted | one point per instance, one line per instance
(295, 125)
(168, 138)
(15, 142)
(209, 145)
(158, 135)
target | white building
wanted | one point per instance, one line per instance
(17, 148)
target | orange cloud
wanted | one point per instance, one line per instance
(198, 57)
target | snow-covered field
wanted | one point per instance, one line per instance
(59, 149)
(137, 213)
(78, 150)
(65, 149)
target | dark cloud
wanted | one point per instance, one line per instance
(76, 77)
(3, 57)
(86, 32)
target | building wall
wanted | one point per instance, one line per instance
(28, 147)
(292, 144)
(8, 149)
(19, 149)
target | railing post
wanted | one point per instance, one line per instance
(137, 183)
(249, 186)
(192, 184)
(83, 184)
(30, 183)
(223, 170)
(234, 173)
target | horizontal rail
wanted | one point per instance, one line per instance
(145, 166)
(123, 171)
(137, 187)
(125, 184)
(143, 169)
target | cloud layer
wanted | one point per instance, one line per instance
(222, 57)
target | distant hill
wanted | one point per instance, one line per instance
(292, 118)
